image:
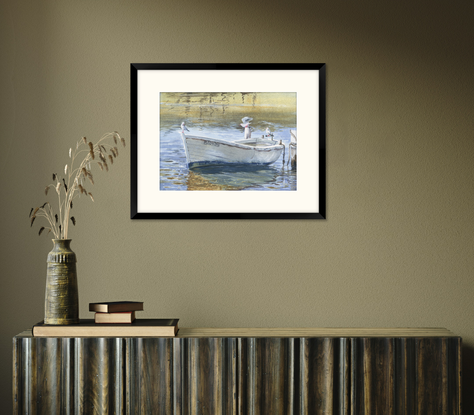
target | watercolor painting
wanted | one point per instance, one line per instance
(228, 141)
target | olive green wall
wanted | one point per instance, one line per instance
(396, 248)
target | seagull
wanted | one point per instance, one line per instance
(183, 127)
(246, 125)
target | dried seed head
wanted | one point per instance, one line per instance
(65, 169)
(32, 220)
(41, 230)
(90, 194)
(92, 154)
(36, 210)
(84, 171)
(70, 204)
(46, 190)
(100, 165)
(56, 217)
(102, 157)
(58, 186)
(70, 152)
(91, 179)
(106, 166)
(73, 219)
(123, 141)
(49, 230)
(54, 177)
(65, 185)
(31, 211)
(44, 204)
(116, 151)
(103, 148)
(84, 139)
(81, 189)
(91, 146)
(115, 138)
(111, 159)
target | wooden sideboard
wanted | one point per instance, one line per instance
(242, 371)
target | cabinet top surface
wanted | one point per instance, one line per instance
(257, 332)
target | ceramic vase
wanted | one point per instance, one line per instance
(61, 304)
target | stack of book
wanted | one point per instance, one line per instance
(121, 315)
(118, 312)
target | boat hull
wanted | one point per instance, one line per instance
(210, 151)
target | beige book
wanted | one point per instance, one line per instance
(126, 317)
(146, 327)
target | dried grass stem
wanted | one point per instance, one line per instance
(72, 182)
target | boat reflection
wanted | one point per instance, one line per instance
(232, 177)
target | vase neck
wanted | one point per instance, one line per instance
(61, 251)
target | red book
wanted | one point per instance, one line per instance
(116, 306)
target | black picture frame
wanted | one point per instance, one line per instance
(136, 69)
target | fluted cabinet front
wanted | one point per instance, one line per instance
(68, 376)
(255, 376)
(181, 376)
(407, 376)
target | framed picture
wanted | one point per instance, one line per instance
(228, 141)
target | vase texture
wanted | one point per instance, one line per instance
(61, 304)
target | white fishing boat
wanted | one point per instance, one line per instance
(205, 150)
(292, 149)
